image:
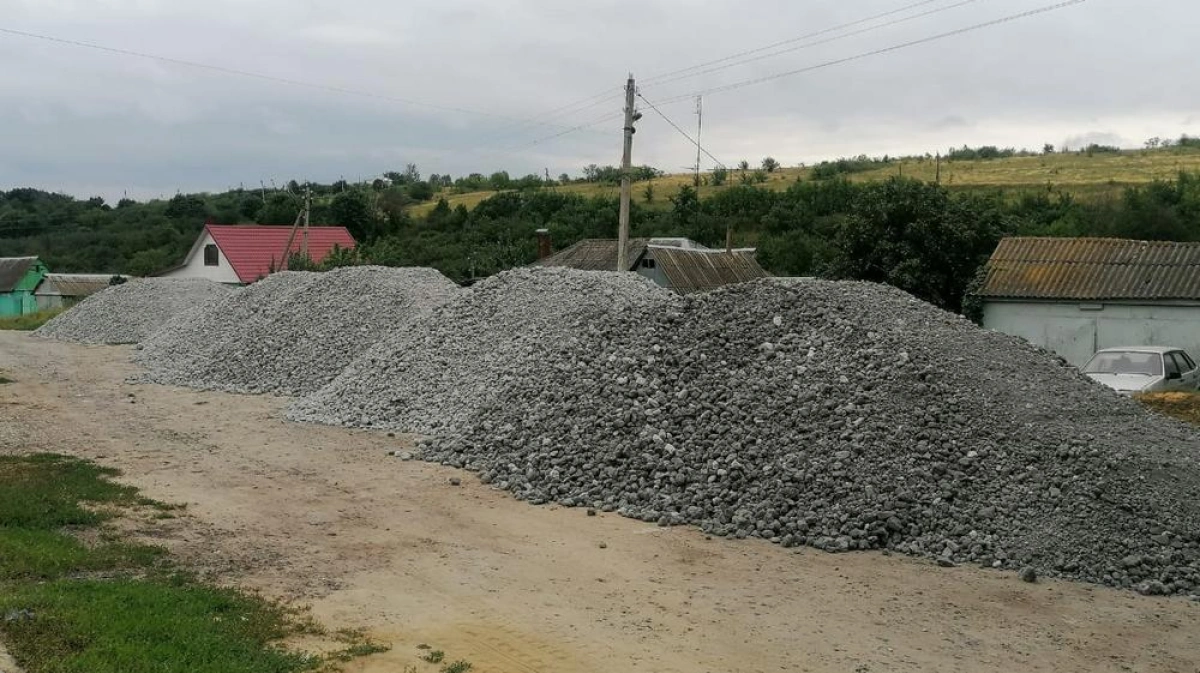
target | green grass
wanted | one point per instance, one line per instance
(29, 321)
(1087, 177)
(109, 606)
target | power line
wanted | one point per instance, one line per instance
(769, 47)
(875, 52)
(681, 131)
(260, 76)
(808, 45)
(605, 96)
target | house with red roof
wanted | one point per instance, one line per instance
(244, 253)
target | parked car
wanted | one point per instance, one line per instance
(1144, 369)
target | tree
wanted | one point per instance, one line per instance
(351, 210)
(1153, 143)
(420, 191)
(770, 165)
(500, 180)
(279, 209)
(564, 179)
(743, 165)
(1047, 149)
(719, 175)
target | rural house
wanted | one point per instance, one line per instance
(676, 263)
(241, 254)
(61, 290)
(1075, 296)
(19, 277)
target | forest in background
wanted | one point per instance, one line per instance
(924, 237)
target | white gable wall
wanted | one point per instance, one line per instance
(194, 266)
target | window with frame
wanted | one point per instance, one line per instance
(1185, 361)
(211, 256)
(1172, 365)
(648, 263)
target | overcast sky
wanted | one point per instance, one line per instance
(89, 122)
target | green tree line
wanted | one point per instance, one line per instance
(918, 236)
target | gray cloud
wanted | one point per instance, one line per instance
(85, 122)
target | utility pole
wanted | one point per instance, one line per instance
(699, 128)
(307, 216)
(626, 182)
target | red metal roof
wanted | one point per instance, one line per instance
(1093, 269)
(252, 250)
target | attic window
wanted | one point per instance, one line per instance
(211, 258)
(648, 263)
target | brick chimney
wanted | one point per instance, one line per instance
(543, 239)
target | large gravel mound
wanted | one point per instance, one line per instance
(432, 375)
(842, 416)
(132, 311)
(292, 332)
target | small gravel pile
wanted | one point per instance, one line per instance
(132, 311)
(292, 332)
(846, 416)
(432, 375)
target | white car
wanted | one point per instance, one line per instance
(1144, 369)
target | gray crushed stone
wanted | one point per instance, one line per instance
(842, 416)
(433, 374)
(130, 312)
(292, 332)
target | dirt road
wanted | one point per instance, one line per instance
(323, 516)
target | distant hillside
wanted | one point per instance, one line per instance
(1082, 174)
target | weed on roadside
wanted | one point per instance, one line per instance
(111, 606)
(435, 657)
(459, 666)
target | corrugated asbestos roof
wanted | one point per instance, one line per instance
(1092, 269)
(695, 271)
(12, 270)
(595, 254)
(73, 284)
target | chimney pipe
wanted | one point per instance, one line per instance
(543, 242)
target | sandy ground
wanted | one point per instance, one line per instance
(323, 517)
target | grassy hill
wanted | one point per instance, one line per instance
(1086, 176)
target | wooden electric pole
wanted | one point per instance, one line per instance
(699, 129)
(307, 217)
(626, 181)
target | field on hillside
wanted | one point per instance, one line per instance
(1085, 176)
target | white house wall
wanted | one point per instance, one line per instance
(1076, 331)
(194, 266)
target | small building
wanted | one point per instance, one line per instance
(1076, 296)
(243, 253)
(676, 263)
(19, 277)
(63, 290)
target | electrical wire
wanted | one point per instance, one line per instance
(681, 131)
(809, 45)
(875, 52)
(262, 76)
(800, 38)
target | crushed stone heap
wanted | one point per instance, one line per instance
(844, 416)
(292, 332)
(432, 375)
(132, 311)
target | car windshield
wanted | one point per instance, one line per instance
(1125, 362)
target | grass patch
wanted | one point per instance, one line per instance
(29, 321)
(109, 606)
(1182, 406)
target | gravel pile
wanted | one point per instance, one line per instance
(132, 311)
(292, 332)
(431, 376)
(842, 416)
